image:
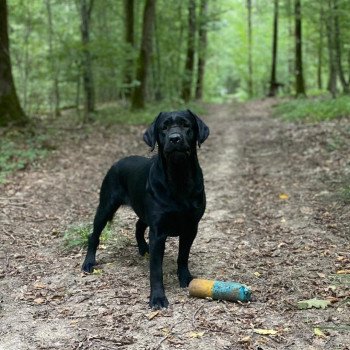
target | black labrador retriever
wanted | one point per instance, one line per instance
(166, 192)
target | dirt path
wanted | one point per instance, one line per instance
(285, 249)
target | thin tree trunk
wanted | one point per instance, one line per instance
(202, 34)
(250, 58)
(291, 65)
(10, 109)
(178, 82)
(189, 67)
(55, 95)
(158, 79)
(140, 92)
(338, 50)
(273, 81)
(320, 50)
(88, 81)
(299, 76)
(130, 41)
(332, 80)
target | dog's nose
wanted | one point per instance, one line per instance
(174, 138)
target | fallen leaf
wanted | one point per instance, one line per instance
(343, 272)
(196, 334)
(257, 274)
(319, 333)
(166, 331)
(316, 303)
(246, 339)
(97, 272)
(39, 285)
(153, 314)
(39, 301)
(283, 196)
(265, 331)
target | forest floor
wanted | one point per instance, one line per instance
(277, 220)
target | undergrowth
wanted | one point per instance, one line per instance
(76, 236)
(18, 150)
(114, 114)
(314, 109)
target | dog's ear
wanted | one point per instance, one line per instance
(203, 130)
(150, 135)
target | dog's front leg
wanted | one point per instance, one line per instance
(185, 244)
(158, 299)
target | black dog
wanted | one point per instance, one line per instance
(166, 192)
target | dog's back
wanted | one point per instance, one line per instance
(128, 178)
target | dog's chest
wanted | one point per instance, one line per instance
(175, 220)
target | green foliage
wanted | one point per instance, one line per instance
(314, 110)
(116, 114)
(76, 236)
(19, 150)
(226, 74)
(345, 194)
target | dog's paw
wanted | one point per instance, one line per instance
(185, 278)
(143, 249)
(88, 266)
(158, 302)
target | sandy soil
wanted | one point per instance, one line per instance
(276, 221)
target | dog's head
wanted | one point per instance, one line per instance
(176, 133)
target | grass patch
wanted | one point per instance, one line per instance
(18, 150)
(345, 194)
(116, 114)
(76, 236)
(313, 110)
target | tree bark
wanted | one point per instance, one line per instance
(10, 109)
(273, 81)
(189, 67)
(299, 76)
(130, 41)
(55, 95)
(332, 79)
(320, 49)
(202, 34)
(140, 92)
(338, 50)
(88, 81)
(250, 41)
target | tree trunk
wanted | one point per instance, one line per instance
(10, 109)
(88, 81)
(332, 80)
(290, 46)
(299, 76)
(158, 78)
(202, 34)
(273, 82)
(55, 94)
(130, 41)
(250, 58)
(179, 39)
(338, 50)
(144, 60)
(189, 67)
(320, 50)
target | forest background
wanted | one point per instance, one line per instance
(121, 61)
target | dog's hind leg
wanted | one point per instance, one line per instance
(110, 201)
(140, 237)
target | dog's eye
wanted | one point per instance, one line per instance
(164, 127)
(186, 125)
